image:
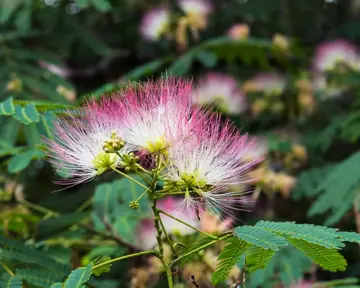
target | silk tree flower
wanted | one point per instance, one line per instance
(147, 233)
(220, 89)
(330, 55)
(239, 31)
(77, 145)
(196, 18)
(267, 83)
(325, 89)
(155, 23)
(153, 116)
(208, 165)
(196, 7)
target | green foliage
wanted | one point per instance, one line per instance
(198, 244)
(319, 235)
(260, 237)
(111, 208)
(257, 258)
(227, 259)
(37, 277)
(261, 242)
(338, 190)
(329, 259)
(78, 277)
(11, 282)
(102, 269)
(12, 250)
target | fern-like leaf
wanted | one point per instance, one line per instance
(319, 235)
(329, 259)
(260, 237)
(349, 237)
(257, 258)
(228, 257)
(39, 278)
(338, 188)
(11, 282)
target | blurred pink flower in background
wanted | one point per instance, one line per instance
(268, 83)
(327, 89)
(220, 89)
(196, 7)
(155, 23)
(330, 54)
(239, 31)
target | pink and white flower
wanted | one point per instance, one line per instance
(156, 114)
(77, 145)
(326, 89)
(196, 7)
(222, 90)
(147, 233)
(239, 31)
(330, 54)
(155, 23)
(207, 166)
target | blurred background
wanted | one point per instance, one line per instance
(285, 71)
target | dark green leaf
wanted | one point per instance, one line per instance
(78, 277)
(22, 160)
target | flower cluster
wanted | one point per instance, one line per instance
(156, 23)
(220, 89)
(190, 149)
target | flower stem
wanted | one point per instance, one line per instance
(157, 224)
(130, 178)
(167, 237)
(199, 249)
(7, 269)
(150, 252)
(187, 224)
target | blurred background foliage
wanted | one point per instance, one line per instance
(285, 71)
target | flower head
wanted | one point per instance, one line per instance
(78, 145)
(196, 7)
(155, 23)
(330, 55)
(222, 90)
(239, 31)
(147, 232)
(153, 116)
(327, 89)
(206, 166)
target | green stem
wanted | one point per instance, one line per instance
(141, 168)
(187, 224)
(150, 252)
(39, 208)
(167, 237)
(157, 224)
(138, 199)
(199, 249)
(7, 269)
(130, 178)
(168, 194)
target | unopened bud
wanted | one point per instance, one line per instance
(134, 205)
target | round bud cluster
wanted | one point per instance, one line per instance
(114, 144)
(134, 205)
(129, 161)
